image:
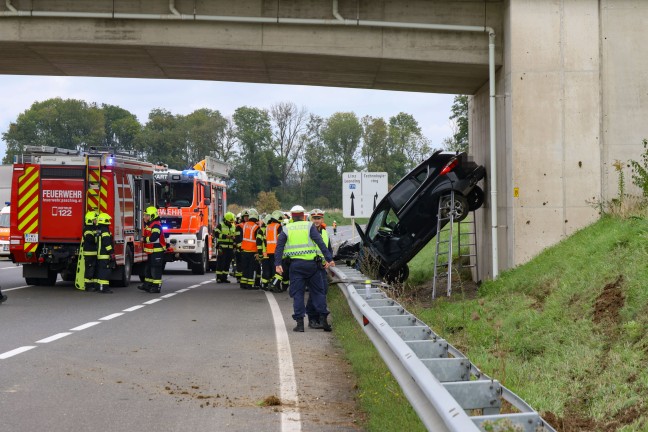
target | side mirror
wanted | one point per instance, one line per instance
(207, 201)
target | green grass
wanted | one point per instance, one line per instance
(336, 215)
(537, 330)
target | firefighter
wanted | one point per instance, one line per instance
(251, 249)
(224, 234)
(273, 229)
(3, 298)
(237, 249)
(317, 218)
(154, 246)
(105, 254)
(90, 243)
(334, 228)
(300, 239)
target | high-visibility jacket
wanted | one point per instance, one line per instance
(155, 241)
(325, 237)
(105, 247)
(90, 232)
(272, 233)
(225, 235)
(299, 244)
(249, 238)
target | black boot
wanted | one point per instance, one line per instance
(154, 289)
(144, 287)
(91, 287)
(104, 289)
(324, 323)
(3, 298)
(300, 325)
(314, 323)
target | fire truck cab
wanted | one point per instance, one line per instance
(190, 204)
(53, 188)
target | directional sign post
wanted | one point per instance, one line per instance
(361, 193)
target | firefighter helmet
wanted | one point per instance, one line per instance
(245, 212)
(151, 211)
(229, 216)
(277, 215)
(297, 209)
(268, 218)
(253, 214)
(104, 219)
(90, 217)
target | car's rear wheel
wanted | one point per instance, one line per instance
(461, 207)
(475, 198)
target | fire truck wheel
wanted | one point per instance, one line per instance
(124, 272)
(201, 268)
(32, 281)
(50, 280)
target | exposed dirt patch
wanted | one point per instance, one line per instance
(575, 422)
(609, 303)
(540, 294)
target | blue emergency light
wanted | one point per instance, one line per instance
(190, 173)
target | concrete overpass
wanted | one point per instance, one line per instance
(571, 80)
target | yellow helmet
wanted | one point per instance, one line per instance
(104, 219)
(151, 211)
(229, 216)
(90, 217)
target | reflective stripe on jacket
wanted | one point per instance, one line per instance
(272, 233)
(248, 242)
(155, 241)
(299, 244)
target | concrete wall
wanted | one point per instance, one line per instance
(572, 99)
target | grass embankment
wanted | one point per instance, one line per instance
(336, 215)
(567, 331)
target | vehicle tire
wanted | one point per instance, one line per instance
(32, 281)
(50, 280)
(475, 198)
(461, 209)
(201, 268)
(68, 276)
(124, 272)
(397, 276)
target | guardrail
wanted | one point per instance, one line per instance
(442, 384)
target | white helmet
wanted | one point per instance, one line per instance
(297, 209)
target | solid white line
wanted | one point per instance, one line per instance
(9, 268)
(290, 418)
(134, 308)
(85, 326)
(53, 338)
(205, 282)
(111, 316)
(193, 286)
(169, 295)
(153, 301)
(17, 288)
(12, 353)
(183, 290)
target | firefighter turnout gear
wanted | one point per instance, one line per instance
(251, 250)
(224, 234)
(154, 246)
(272, 231)
(89, 247)
(105, 254)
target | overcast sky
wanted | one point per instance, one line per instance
(139, 96)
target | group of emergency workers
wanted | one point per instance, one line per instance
(279, 252)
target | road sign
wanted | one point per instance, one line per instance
(361, 192)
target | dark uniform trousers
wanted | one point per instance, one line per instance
(153, 269)
(304, 272)
(223, 264)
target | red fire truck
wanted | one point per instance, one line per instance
(53, 188)
(190, 204)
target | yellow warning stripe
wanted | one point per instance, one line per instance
(28, 195)
(27, 182)
(28, 187)
(33, 216)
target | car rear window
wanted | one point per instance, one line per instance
(402, 192)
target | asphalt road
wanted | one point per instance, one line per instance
(199, 356)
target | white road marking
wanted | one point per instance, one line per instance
(152, 301)
(16, 288)
(169, 295)
(53, 338)
(182, 290)
(290, 418)
(205, 282)
(134, 308)
(9, 268)
(12, 353)
(85, 326)
(193, 286)
(111, 316)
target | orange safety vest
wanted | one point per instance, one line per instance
(248, 243)
(271, 237)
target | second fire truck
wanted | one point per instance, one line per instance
(190, 204)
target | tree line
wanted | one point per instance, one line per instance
(298, 155)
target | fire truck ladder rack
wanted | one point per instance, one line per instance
(447, 391)
(465, 239)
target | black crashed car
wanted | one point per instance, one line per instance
(405, 220)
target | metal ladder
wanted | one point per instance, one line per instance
(93, 174)
(470, 240)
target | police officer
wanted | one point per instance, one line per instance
(300, 239)
(224, 234)
(90, 243)
(251, 249)
(105, 253)
(154, 246)
(317, 217)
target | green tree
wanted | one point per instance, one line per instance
(121, 127)
(341, 136)
(162, 139)
(289, 125)
(204, 131)
(375, 146)
(405, 137)
(69, 123)
(266, 202)
(459, 119)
